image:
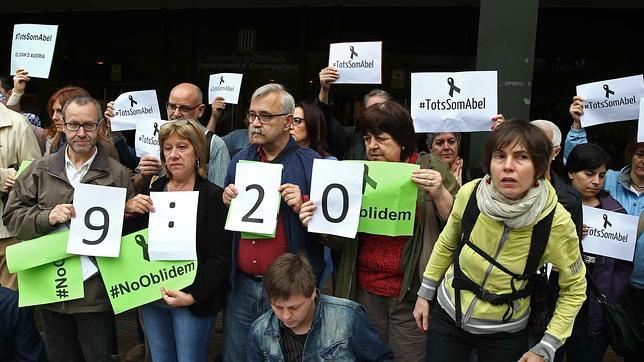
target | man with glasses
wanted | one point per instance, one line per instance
(186, 102)
(269, 117)
(41, 201)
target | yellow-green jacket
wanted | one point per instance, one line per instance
(510, 248)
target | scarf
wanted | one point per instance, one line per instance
(514, 214)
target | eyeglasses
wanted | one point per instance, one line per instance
(297, 120)
(182, 108)
(263, 117)
(88, 127)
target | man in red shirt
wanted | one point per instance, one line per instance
(269, 117)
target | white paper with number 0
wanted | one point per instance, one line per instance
(96, 229)
(336, 190)
(256, 206)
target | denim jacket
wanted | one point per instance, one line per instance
(341, 331)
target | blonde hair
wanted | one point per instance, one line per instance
(190, 130)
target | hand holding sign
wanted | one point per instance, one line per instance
(464, 101)
(255, 207)
(357, 63)
(130, 107)
(33, 48)
(97, 228)
(146, 139)
(611, 100)
(225, 85)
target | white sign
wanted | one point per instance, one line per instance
(257, 203)
(172, 229)
(96, 229)
(32, 49)
(88, 267)
(226, 85)
(610, 234)
(453, 102)
(611, 100)
(146, 139)
(358, 62)
(336, 189)
(640, 122)
(130, 107)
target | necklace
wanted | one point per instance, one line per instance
(637, 186)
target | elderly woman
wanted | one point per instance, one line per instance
(446, 145)
(586, 168)
(627, 187)
(383, 272)
(178, 326)
(501, 229)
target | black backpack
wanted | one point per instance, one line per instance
(539, 241)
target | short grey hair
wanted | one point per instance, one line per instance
(432, 135)
(83, 101)
(549, 127)
(287, 103)
(376, 93)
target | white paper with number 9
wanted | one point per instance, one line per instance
(257, 203)
(336, 189)
(96, 229)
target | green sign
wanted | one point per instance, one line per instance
(388, 199)
(59, 281)
(23, 166)
(132, 279)
(35, 252)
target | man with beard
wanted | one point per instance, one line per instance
(41, 200)
(269, 117)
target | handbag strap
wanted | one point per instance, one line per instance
(598, 294)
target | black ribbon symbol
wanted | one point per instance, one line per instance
(156, 128)
(606, 222)
(352, 52)
(452, 87)
(367, 180)
(132, 101)
(140, 241)
(608, 91)
(221, 79)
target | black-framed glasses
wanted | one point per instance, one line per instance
(88, 127)
(182, 108)
(263, 117)
(297, 120)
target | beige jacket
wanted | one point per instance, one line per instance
(17, 143)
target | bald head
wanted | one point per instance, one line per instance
(552, 132)
(185, 102)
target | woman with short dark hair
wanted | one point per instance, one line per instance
(501, 230)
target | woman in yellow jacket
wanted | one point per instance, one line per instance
(477, 272)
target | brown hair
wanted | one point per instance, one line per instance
(394, 119)
(289, 275)
(631, 148)
(521, 132)
(315, 127)
(188, 129)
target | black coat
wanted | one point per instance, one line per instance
(213, 247)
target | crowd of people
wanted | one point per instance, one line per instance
(469, 284)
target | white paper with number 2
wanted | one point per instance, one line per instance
(172, 229)
(256, 206)
(96, 229)
(336, 190)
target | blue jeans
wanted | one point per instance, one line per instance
(246, 302)
(175, 334)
